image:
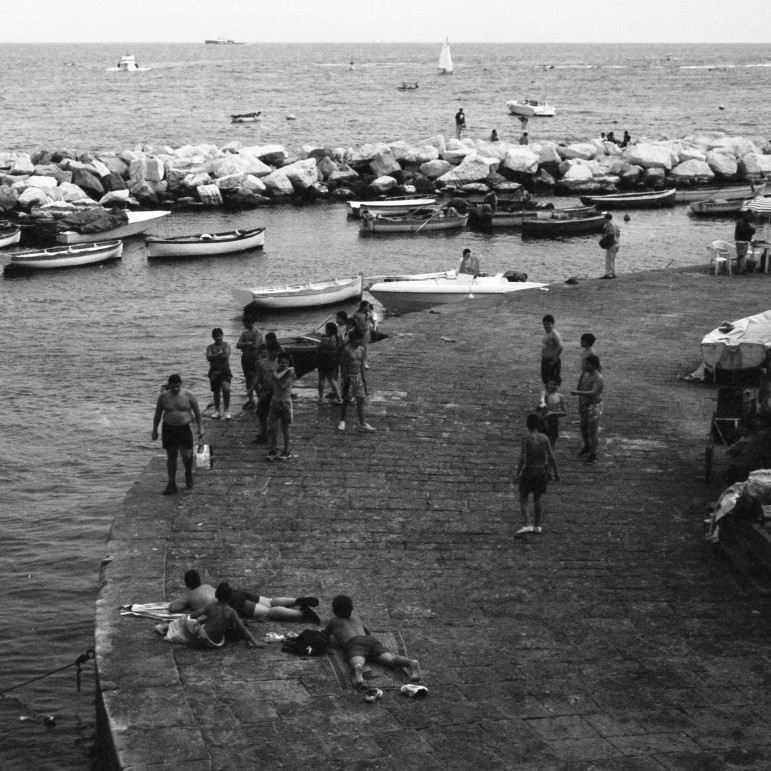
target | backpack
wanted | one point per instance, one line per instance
(310, 642)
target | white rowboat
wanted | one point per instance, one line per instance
(66, 256)
(311, 295)
(688, 194)
(204, 244)
(138, 222)
(427, 223)
(9, 235)
(390, 206)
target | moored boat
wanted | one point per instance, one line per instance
(246, 117)
(717, 207)
(556, 227)
(688, 194)
(391, 206)
(9, 235)
(406, 296)
(204, 244)
(137, 222)
(428, 222)
(65, 256)
(313, 294)
(515, 218)
(648, 199)
(530, 108)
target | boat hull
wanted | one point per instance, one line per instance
(631, 200)
(559, 227)
(689, 194)
(66, 256)
(387, 225)
(10, 236)
(204, 244)
(311, 295)
(717, 208)
(393, 207)
(740, 345)
(527, 110)
(408, 296)
(138, 223)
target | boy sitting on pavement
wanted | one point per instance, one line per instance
(360, 646)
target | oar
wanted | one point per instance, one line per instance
(415, 232)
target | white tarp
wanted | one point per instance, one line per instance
(741, 344)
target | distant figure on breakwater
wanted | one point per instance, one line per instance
(525, 138)
(494, 136)
(178, 409)
(743, 233)
(460, 122)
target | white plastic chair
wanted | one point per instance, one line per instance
(721, 253)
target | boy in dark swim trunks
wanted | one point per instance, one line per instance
(218, 356)
(360, 646)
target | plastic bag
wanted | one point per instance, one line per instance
(203, 456)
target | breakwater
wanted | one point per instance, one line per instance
(50, 185)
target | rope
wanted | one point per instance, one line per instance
(79, 661)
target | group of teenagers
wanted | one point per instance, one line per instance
(537, 462)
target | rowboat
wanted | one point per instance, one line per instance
(428, 222)
(688, 194)
(138, 222)
(9, 235)
(314, 294)
(391, 206)
(742, 344)
(304, 349)
(717, 207)
(530, 108)
(562, 226)
(246, 117)
(65, 256)
(645, 200)
(515, 218)
(204, 244)
(407, 296)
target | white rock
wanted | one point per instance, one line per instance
(278, 183)
(22, 164)
(399, 149)
(343, 174)
(230, 182)
(384, 164)
(115, 196)
(749, 167)
(438, 142)
(146, 168)
(419, 155)
(383, 184)
(690, 152)
(326, 166)
(41, 182)
(584, 150)
(473, 168)
(736, 146)
(224, 167)
(435, 169)
(649, 156)
(72, 192)
(548, 153)
(764, 164)
(521, 159)
(196, 179)
(32, 196)
(210, 195)
(101, 169)
(251, 164)
(578, 172)
(455, 155)
(233, 146)
(302, 174)
(722, 163)
(692, 171)
(253, 184)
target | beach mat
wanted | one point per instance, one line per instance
(375, 675)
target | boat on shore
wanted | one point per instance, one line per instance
(749, 190)
(648, 199)
(65, 256)
(391, 206)
(530, 108)
(137, 222)
(739, 345)
(371, 280)
(314, 294)
(204, 244)
(9, 235)
(425, 222)
(416, 295)
(560, 227)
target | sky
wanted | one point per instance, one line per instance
(401, 21)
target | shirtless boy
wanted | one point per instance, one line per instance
(360, 646)
(351, 363)
(551, 350)
(280, 410)
(178, 408)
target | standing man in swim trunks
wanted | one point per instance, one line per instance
(351, 363)
(551, 350)
(218, 356)
(249, 344)
(589, 393)
(178, 408)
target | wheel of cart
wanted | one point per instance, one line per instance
(737, 406)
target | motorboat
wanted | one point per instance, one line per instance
(313, 294)
(137, 222)
(426, 222)
(65, 256)
(371, 280)
(392, 206)
(246, 117)
(9, 235)
(221, 41)
(128, 63)
(407, 296)
(647, 199)
(688, 194)
(736, 345)
(204, 244)
(530, 108)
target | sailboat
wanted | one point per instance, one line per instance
(445, 60)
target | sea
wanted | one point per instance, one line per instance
(87, 349)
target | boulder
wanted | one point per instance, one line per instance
(122, 197)
(521, 160)
(654, 177)
(100, 169)
(8, 198)
(343, 174)
(224, 167)
(764, 164)
(437, 141)
(475, 188)
(455, 155)
(473, 168)
(146, 168)
(196, 179)
(416, 156)
(230, 182)
(577, 173)
(245, 199)
(722, 163)
(749, 167)
(253, 184)
(251, 164)
(278, 184)
(382, 185)
(692, 172)
(88, 182)
(384, 164)
(143, 191)
(54, 171)
(302, 174)
(435, 169)
(326, 166)
(544, 181)
(22, 164)
(41, 182)
(234, 146)
(72, 192)
(272, 155)
(209, 195)
(113, 182)
(735, 146)
(31, 196)
(399, 149)
(689, 152)
(586, 151)
(649, 156)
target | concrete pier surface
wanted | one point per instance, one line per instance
(616, 639)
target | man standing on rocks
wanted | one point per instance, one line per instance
(610, 236)
(460, 122)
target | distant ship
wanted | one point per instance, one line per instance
(221, 41)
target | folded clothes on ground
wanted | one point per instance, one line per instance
(155, 610)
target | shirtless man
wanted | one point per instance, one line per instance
(360, 646)
(198, 595)
(351, 362)
(178, 408)
(249, 345)
(469, 263)
(551, 350)
(218, 356)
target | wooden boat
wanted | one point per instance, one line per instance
(138, 222)
(369, 281)
(742, 344)
(515, 218)
(530, 108)
(314, 294)
(648, 199)
(246, 117)
(445, 59)
(9, 235)
(204, 244)
(65, 256)
(406, 296)
(717, 207)
(391, 206)
(428, 222)
(304, 349)
(688, 194)
(557, 227)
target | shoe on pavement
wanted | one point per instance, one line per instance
(171, 488)
(365, 428)
(216, 415)
(341, 426)
(538, 529)
(584, 451)
(525, 529)
(189, 479)
(271, 456)
(227, 415)
(592, 459)
(413, 691)
(284, 455)
(371, 695)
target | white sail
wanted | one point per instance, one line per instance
(445, 60)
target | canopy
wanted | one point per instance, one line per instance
(741, 344)
(759, 205)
